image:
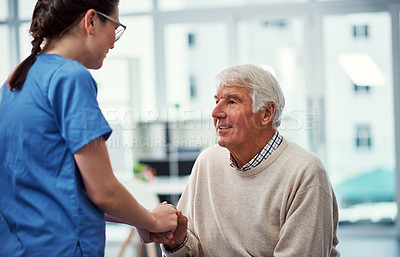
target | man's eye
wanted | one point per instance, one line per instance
(231, 102)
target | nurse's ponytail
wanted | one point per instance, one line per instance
(18, 77)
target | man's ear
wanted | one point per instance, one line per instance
(269, 114)
(89, 21)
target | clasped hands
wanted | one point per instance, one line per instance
(171, 238)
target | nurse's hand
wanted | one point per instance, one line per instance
(165, 218)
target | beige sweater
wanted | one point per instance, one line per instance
(283, 207)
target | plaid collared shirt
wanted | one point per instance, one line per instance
(271, 146)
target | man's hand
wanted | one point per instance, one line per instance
(160, 238)
(171, 240)
(180, 233)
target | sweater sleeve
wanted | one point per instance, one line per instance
(191, 248)
(186, 204)
(309, 225)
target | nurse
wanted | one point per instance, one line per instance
(56, 181)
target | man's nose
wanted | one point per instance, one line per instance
(218, 111)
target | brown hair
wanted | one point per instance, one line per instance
(51, 19)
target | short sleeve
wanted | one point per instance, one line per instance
(72, 95)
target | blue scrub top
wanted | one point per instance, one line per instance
(44, 209)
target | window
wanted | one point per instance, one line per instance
(131, 6)
(126, 92)
(360, 138)
(168, 5)
(332, 77)
(5, 68)
(3, 10)
(190, 68)
(361, 89)
(363, 137)
(136, 47)
(360, 31)
(279, 44)
(193, 87)
(25, 8)
(25, 38)
(191, 40)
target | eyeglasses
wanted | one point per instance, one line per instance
(119, 30)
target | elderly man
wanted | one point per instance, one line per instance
(255, 193)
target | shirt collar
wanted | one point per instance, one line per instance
(267, 150)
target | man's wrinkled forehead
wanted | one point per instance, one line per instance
(233, 96)
(228, 91)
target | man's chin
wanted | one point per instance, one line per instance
(223, 143)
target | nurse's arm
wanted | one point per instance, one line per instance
(107, 193)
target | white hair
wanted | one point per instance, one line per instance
(260, 79)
